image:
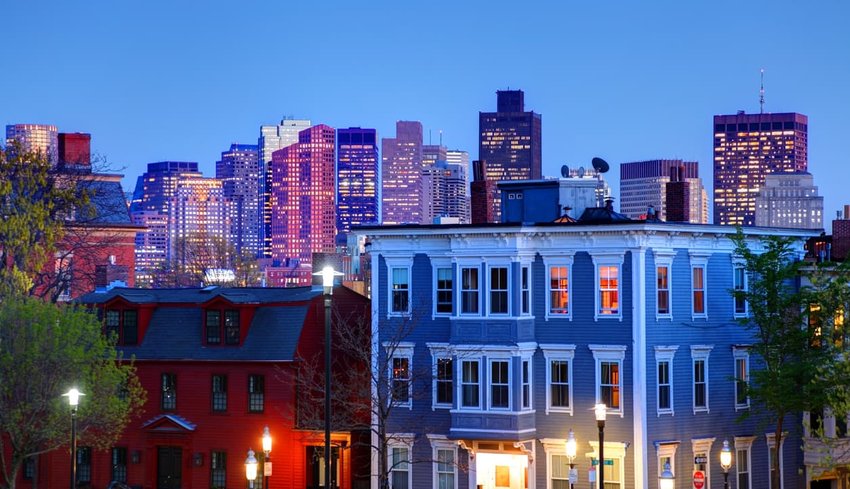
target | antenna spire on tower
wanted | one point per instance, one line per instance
(761, 93)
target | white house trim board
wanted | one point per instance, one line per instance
(562, 352)
(664, 258)
(665, 449)
(609, 353)
(701, 352)
(375, 354)
(560, 260)
(771, 443)
(639, 389)
(703, 446)
(608, 258)
(665, 353)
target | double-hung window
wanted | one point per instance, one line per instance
(400, 360)
(83, 465)
(219, 393)
(743, 446)
(771, 452)
(445, 462)
(168, 392)
(442, 366)
(499, 290)
(256, 393)
(123, 325)
(699, 263)
(399, 464)
(558, 284)
(526, 383)
(220, 323)
(559, 363)
(399, 290)
(699, 356)
(500, 384)
(664, 369)
(470, 384)
(741, 356)
(445, 294)
(218, 470)
(119, 464)
(740, 287)
(608, 268)
(609, 375)
(663, 267)
(469, 290)
(667, 455)
(525, 290)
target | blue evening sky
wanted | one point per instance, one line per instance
(181, 80)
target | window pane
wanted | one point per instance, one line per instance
(231, 327)
(219, 393)
(469, 291)
(445, 388)
(113, 322)
(213, 327)
(499, 384)
(470, 385)
(400, 290)
(444, 290)
(559, 388)
(168, 392)
(499, 290)
(559, 294)
(256, 393)
(131, 329)
(401, 380)
(609, 298)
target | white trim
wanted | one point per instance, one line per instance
(401, 440)
(770, 438)
(664, 354)
(440, 351)
(744, 443)
(490, 361)
(489, 268)
(526, 266)
(558, 261)
(461, 290)
(607, 258)
(740, 353)
(639, 366)
(436, 265)
(664, 258)
(401, 350)
(441, 442)
(395, 262)
(703, 446)
(613, 450)
(558, 352)
(664, 450)
(738, 264)
(609, 353)
(700, 352)
(522, 362)
(481, 384)
(699, 259)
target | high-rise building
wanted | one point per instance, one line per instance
(198, 212)
(789, 200)
(444, 192)
(238, 169)
(36, 138)
(74, 150)
(357, 178)
(432, 153)
(302, 197)
(510, 140)
(643, 184)
(273, 138)
(748, 147)
(401, 174)
(458, 157)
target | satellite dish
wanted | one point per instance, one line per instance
(581, 172)
(565, 171)
(600, 165)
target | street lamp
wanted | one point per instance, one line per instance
(251, 468)
(328, 273)
(267, 449)
(726, 462)
(601, 411)
(668, 480)
(73, 396)
(570, 448)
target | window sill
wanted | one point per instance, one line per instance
(742, 407)
(434, 407)
(666, 413)
(501, 412)
(701, 410)
(559, 410)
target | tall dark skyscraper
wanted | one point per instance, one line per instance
(510, 140)
(357, 178)
(748, 147)
(401, 174)
(239, 171)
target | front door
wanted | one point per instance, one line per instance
(168, 467)
(501, 470)
(316, 467)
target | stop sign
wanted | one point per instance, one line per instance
(699, 479)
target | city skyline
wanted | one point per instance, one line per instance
(669, 75)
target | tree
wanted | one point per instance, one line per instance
(196, 255)
(789, 338)
(45, 349)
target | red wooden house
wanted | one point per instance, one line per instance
(219, 365)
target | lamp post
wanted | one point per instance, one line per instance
(267, 450)
(601, 411)
(667, 479)
(328, 273)
(251, 468)
(726, 462)
(73, 396)
(570, 448)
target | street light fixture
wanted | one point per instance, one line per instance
(570, 448)
(328, 273)
(601, 410)
(251, 468)
(726, 462)
(267, 450)
(73, 396)
(668, 480)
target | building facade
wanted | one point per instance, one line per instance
(198, 214)
(74, 150)
(358, 186)
(644, 184)
(789, 200)
(747, 148)
(444, 192)
(401, 174)
(238, 170)
(520, 329)
(36, 138)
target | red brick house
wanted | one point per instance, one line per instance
(219, 364)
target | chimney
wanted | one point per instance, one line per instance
(841, 236)
(678, 196)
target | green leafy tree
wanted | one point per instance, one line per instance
(45, 349)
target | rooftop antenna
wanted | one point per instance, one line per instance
(441, 137)
(429, 137)
(761, 93)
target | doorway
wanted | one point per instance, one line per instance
(316, 467)
(501, 470)
(169, 465)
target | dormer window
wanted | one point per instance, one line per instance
(222, 325)
(123, 325)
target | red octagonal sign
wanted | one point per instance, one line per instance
(699, 479)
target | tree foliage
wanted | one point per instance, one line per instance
(195, 255)
(45, 349)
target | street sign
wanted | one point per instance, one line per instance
(608, 461)
(573, 476)
(699, 479)
(591, 475)
(700, 460)
(267, 469)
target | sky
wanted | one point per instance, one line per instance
(626, 81)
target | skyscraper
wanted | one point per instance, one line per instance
(444, 192)
(238, 169)
(644, 184)
(510, 140)
(748, 147)
(357, 178)
(273, 138)
(302, 197)
(197, 213)
(789, 200)
(401, 174)
(36, 138)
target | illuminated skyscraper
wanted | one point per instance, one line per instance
(748, 147)
(197, 214)
(444, 192)
(458, 157)
(789, 200)
(644, 184)
(357, 178)
(238, 170)
(37, 138)
(401, 174)
(302, 197)
(273, 138)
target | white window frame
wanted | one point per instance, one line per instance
(739, 265)
(607, 259)
(770, 438)
(741, 354)
(559, 261)
(482, 384)
(461, 290)
(490, 289)
(663, 451)
(525, 268)
(613, 450)
(439, 443)
(703, 446)
(438, 264)
(699, 260)
(609, 353)
(400, 350)
(400, 441)
(399, 263)
(701, 353)
(440, 351)
(526, 385)
(664, 354)
(664, 258)
(744, 443)
(491, 359)
(564, 353)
